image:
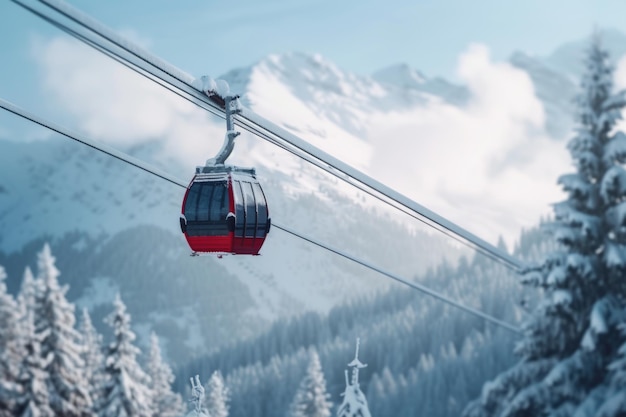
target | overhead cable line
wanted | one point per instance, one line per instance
(271, 132)
(108, 150)
(120, 59)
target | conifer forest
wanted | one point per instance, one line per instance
(122, 325)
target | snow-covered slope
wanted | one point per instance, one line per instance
(409, 83)
(556, 77)
(56, 186)
(132, 243)
(116, 229)
(567, 59)
(555, 90)
(51, 188)
(401, 75)
(316, 100)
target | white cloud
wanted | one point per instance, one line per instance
(619, 78)
(490, 167)
(620, 74)
(117, 106)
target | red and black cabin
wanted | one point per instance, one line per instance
(225, 211)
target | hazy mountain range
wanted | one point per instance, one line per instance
(114, 228)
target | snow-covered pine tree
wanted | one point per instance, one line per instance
(54, 323)
(34, 398)
(354, 402)
(571, 336)
(126, 391)
(613, 399)
(311, 399)
(217, 398)
(166, 403)
(93, 358)
(197, 399)
(28, 292)
(10, 349)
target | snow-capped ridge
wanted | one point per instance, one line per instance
(414, 87)
(567, 58)
(401, 75)
(554, 89)
(300, 72)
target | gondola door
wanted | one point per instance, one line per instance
(240, 217)
(251, 216)
(204, 220)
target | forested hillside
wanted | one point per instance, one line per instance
(572, 353)
(423, 356)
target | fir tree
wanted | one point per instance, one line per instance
(93, 358)
(197, 399)
(311, 399)
(354, 402)
(34, 399)
(570, 338)
(613, 402)
(10, 349)
(165, 402)
(29, 291)
(217, 398)
(54, 323)
(126, 391)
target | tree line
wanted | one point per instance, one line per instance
(572, 356)
(53, 365)
(50, 365)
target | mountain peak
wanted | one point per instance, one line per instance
(568, 58)
(312, 83)
(401, 75)
(298, 60)
(307, 75)
(299, 68)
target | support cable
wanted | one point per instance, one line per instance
(108, 150)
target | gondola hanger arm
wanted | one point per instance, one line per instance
(219, 92)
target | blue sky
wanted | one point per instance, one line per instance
(215, 36)
(212, 37)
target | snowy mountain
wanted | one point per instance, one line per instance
(115, 228)
(53, 187)
(316, 100)
(401, 75)
(567, 58)
(423, 357)
(556, 77)
(406, 81)
(555, 90)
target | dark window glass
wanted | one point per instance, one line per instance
(251, 213)
(203, 201)
(218, 208)
(239, 209)
(191, 204)
(261, 205)
(206, 202)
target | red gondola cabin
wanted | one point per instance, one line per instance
(225, 212)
